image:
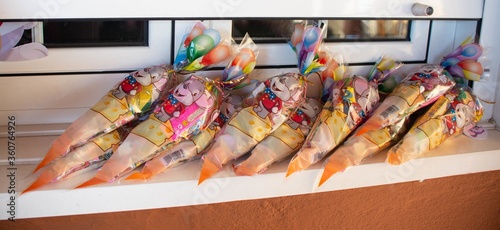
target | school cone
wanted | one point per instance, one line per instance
(207, 170)
(91, 182)
(298, 163)
(57, 149)
(139, 176)
(333, 165)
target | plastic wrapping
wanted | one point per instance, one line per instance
(139, 91)
(351, 101)
(450, 115)
(462, 62)
(125, 102)
(268, 106)
(417, 90)
(190, 148)
(357, 148)
(290, 136)
(284, 141)
(185, 110)
(91, 155)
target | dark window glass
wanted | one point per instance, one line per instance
(262, 31)
(369, 30)
(95, 33)
(271, 30)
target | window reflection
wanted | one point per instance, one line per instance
(367, 30)
(271, 30)
(103, 33)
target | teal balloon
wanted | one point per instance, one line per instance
(199, 46)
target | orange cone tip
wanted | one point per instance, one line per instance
(393, 159)
(208, 170)
(41, 181)
(139, 176)
(327, 173)
(93, 181)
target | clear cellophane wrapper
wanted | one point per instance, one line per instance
(233, 76)
(91, 155)
(350, 102)
(458, 110)
(262, 112)
(184, 111)
(290, 136)
(284, 141)
(192, 147)
(131, 97)
(357, 148)
(417, 90)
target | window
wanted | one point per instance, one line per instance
(139, 43)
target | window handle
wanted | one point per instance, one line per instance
(422, 10)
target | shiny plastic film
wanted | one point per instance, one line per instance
(351, 101)
(417, 90)
(453, 113)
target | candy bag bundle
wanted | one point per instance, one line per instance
(267, 107)
(417, 90)
(92, 154)
(352, 99)
(192, 147)
(387, 122)
(232, 76)
(184, 111)
(450, 115)
(288, 138)
(138, 92)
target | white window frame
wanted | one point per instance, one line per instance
(97, 59)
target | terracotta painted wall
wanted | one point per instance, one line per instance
(460, 202)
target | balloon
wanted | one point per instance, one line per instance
(214, 34)
(216, 55)
(232, 72)
(199, 46)
(297, 35)
(472, 70)
(471, 51)
(311, 38)
(456, 71)
(243, 58)
(196, 31)
(449, 62)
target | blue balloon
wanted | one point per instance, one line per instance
(214, 34)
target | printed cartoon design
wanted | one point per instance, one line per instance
(184, 95)
(276, 91)
(306, 113)
(230, 104)
(461, 115)
(135, 82)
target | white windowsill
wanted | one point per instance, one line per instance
(178, 186)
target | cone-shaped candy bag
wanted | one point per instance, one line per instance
(351, 101)
(92, 154)
(233, 75)
(450, 115)
(417, 90)
(186, 109)
(135, 95)
(190, 148)
(290, 136)
(268, 107)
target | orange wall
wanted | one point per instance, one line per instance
(460, 202)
